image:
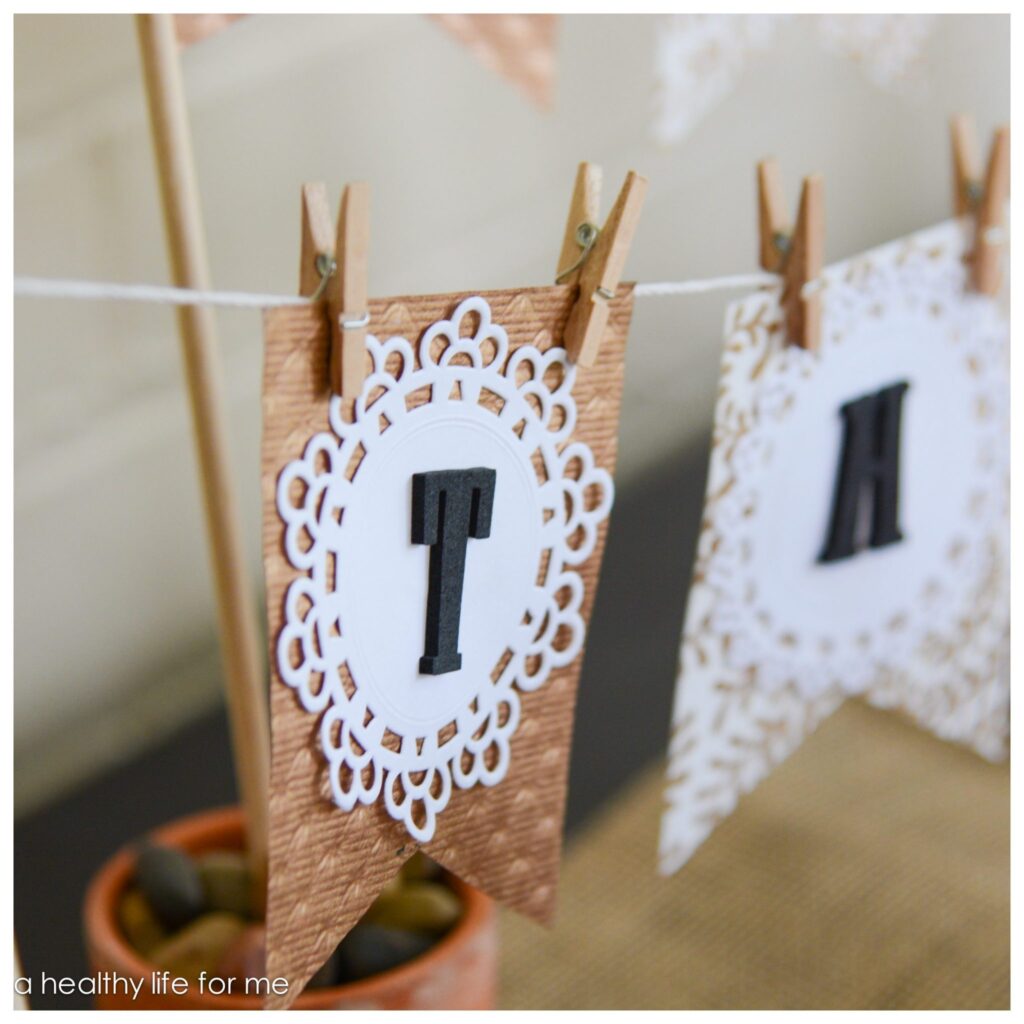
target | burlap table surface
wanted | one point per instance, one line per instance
(871, 870)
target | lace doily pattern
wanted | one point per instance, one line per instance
(889, 48)
(700, 59)
(753, 680)
(460, 373)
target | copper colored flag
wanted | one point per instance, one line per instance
(374, 755)
(519, 47)
(194, 28)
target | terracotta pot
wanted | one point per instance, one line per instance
(458, 973)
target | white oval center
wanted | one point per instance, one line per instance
(939, 444)
(382, 577)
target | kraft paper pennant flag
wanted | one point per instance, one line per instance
(519, 47)
(194, 28)
(431, 562)
(855, 531)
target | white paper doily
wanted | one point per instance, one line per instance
(700, 59)
(773, 639)
(354, 621)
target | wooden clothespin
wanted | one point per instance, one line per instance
(984, 201)
(335, 270)
(316, 265)
(798, 254)
(594, 258)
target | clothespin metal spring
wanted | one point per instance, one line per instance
(598, 266)
(586, 236)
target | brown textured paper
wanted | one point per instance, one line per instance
(519, 47)
(327, 865)
(194, 28)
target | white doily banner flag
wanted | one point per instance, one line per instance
(855, 534)
(699, 59)
(431, 554)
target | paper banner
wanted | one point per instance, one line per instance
(519, 47)
(889, 48)
(194, 28)
(699, 59)
(347, 625)
(856, 532)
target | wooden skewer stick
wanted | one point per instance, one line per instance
(20, 1000)
(239, 635)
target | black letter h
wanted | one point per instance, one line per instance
(870, 459)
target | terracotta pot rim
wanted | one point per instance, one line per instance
(104, 932)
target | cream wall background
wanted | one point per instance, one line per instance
(114, 625)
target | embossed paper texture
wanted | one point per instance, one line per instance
(776, 634)
(376, 753)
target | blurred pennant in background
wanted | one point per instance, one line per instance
(194, 28)
(519, 47)
(699, 59)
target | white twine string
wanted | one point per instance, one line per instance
(99, 291)
(707, 284)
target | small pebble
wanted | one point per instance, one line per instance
(226, 881)
(139, 923)
(418, 906)
(170, 882)
(329, 974)
(200, 946)
(420, 868)
(370, 949)
(392, 886)
(246, 957)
